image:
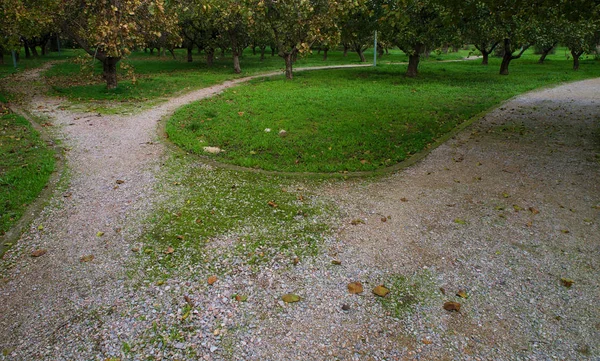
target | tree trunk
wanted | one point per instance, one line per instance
(253, 49)
(27, 53)
(289, 62)
(361, 54)
(236, 62)
(576, 55)
(325, 53)
(379, 50)
(273, 51)
(190, 57)
(545, 53)
(507, 57)
(413, 61)
(505, 62)
(34, 51)
(486, 57)
(1, 56)
(262, 52)
(109, 65)
(210, 56)
(345, 50)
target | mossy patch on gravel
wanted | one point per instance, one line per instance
(217, 218)
(406, 292)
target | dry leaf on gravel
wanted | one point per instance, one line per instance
(355, 287)
(534, 210)
(381, 291)
(120, 181)
(290, 298)
(272, 204)
(88, 258)
(452, 306)
(99, 234)
(462, 294)
(169, 250)
(38, 253)
(336, 262)
(567, 282)
(241, 298)
(356, 222)
(211, 280)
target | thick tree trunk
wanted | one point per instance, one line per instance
(273, 49)
(236, 62)
(109, 65)
(34, 51)
(360, 53)
(380, 51)
(486, 56)
(345, 50)
(545, 53)
(27, 52)
(505, 62)
(190, 57)
(507, 57)
(210, 56)
(262, 52)
(413, 61)
(576, 55)
(325, 51)
(289, 63)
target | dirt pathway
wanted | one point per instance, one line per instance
(503, 211)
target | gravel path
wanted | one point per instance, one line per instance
(503, 211)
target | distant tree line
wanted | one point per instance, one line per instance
(108, 30)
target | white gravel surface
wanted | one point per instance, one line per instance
(503, 211)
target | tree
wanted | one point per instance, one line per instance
(297, 24)
(231, 18)
(478, 27)
(109, 29)
(359, 25)
(582, 27)
(416, 26)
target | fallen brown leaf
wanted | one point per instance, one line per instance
(336, 262)
(120, 181)
(355, 287)
(290, 298)
(427, 341)
(462, 294)
(452, 306)
(534, 210)
(88, 258)
(272, 204)
(38, 253)
(169, 250)
(567, 282)
(403, 199)
(356, 222)
(381, 291)
(211, 280)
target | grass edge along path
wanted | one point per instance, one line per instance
(488, 91)
(31, 192)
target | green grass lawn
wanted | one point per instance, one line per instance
(159, 77)
(26, 162)
(25, 167)
(355, 119)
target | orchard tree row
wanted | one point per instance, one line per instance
(109, 30)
